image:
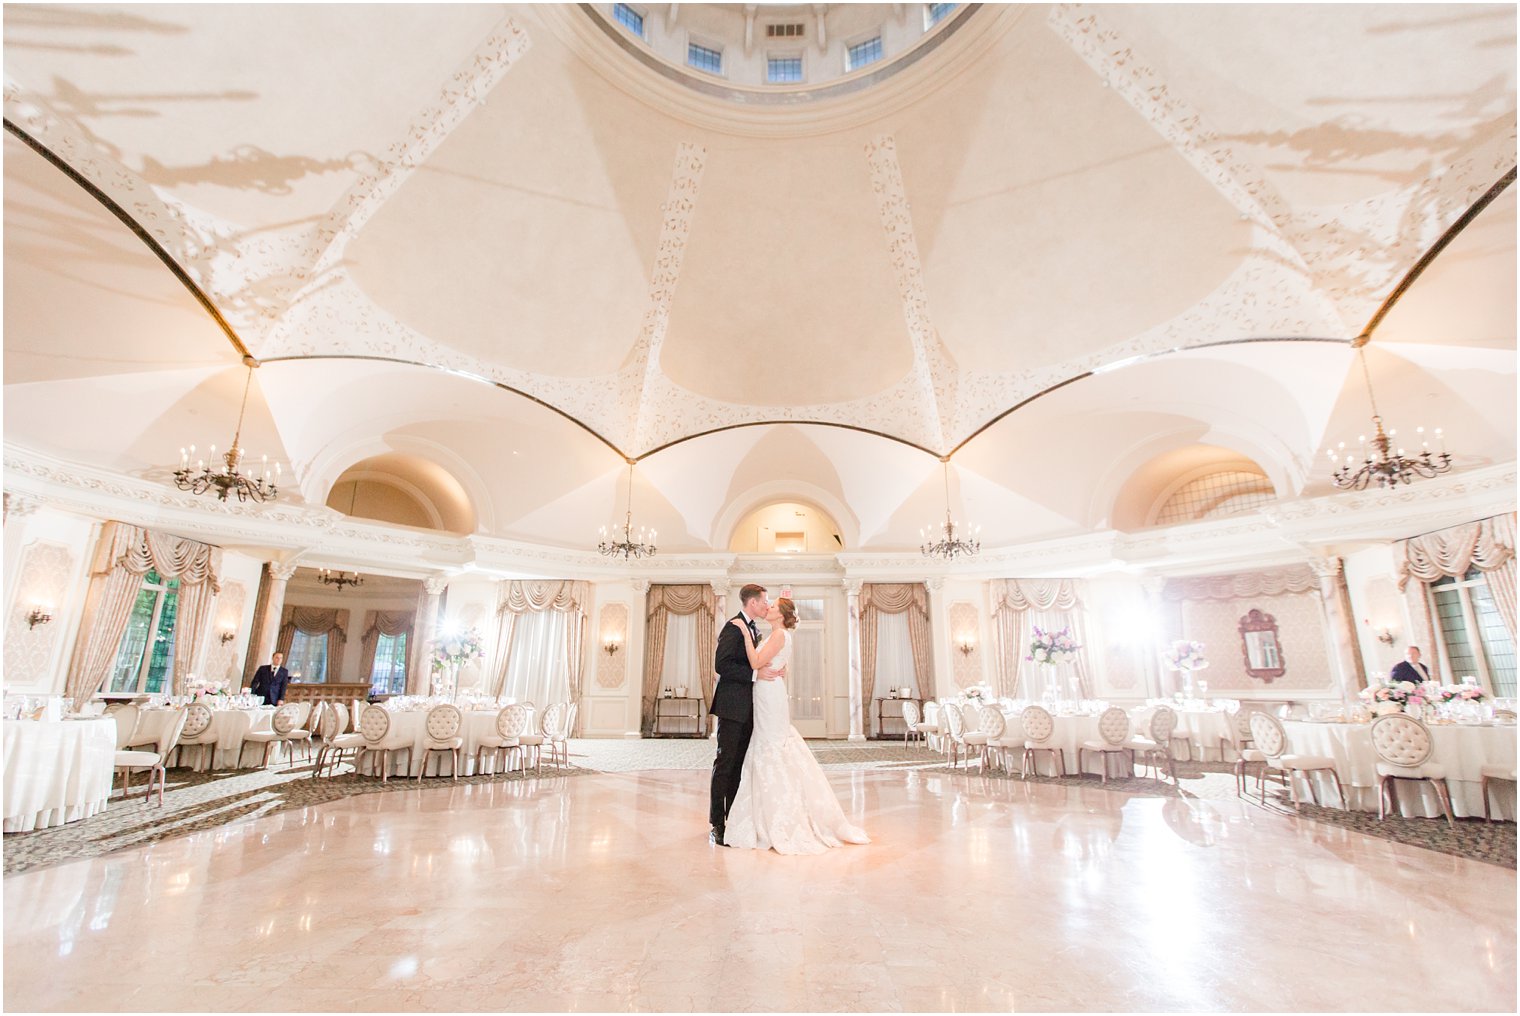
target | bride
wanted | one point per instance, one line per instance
(784, 801)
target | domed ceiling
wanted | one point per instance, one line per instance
(523, 255)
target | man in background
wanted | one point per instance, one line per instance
(1410, 668)
(271, 680)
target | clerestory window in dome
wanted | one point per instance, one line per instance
(629, 18)
(704, 58)
(1217, 495)
(935, 13)
(863, 53)
(783, 70)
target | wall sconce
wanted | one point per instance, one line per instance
(967, 647)
(39, 615)
(227, 635)
(1385, 634)
(611, 646)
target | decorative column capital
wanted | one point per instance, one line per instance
(935, 584)
(1154, 586)
(852, 586)
(435, 584)
(1326, 567)
(20, 506)
(283, 571)
(719, 587)
(640, 586)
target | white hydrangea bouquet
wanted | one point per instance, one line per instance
(1052, 647)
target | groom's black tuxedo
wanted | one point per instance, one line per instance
(734, 705)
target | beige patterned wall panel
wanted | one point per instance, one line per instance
(221, 662)
(964, 625)
(42, 579)
(1301, 633)
(612, 668)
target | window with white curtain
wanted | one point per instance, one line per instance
(680, 667)
(894, 655)
(538, 670)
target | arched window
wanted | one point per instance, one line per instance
(1216, 495)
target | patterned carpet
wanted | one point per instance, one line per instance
(197, 801)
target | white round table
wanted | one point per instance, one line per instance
(230, 727)
(1210, 730)
(56, 771)
(1462, 749)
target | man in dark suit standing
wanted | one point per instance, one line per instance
(1410, 668)
(271, 680)
(733, 705)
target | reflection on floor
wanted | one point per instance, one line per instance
(600, 893)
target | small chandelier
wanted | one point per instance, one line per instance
(948, 546)
(341, 579)
(228, 479)
(622, 542)
(1381, 464)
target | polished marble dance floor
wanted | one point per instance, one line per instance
(600, 893)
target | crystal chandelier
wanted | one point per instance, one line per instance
(622, 542)
(1381, 464)
(227, 478)
(341, 579)
(948, 546)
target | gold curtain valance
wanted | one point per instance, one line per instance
(682, 599)
(519, 597)
(140, 551)
(1488, 545)
(388, 622)
(314, 621)
(1035, 594)
(895, 597)
(1244, 586)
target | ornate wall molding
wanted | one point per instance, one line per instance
(43, 579)
(612, 668)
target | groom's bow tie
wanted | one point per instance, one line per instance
(754, 633)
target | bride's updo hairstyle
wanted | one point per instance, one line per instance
(788, 612)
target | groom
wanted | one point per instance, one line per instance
(732, 704)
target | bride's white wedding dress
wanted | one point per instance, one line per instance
(784, 800)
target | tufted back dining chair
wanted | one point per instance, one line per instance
(126, 722)
(520, 723)
(994, 725)
(911, 719)
(379, 735)
(1113, 739)
(283, 729)
(153, 760)
(441, 734)
(931, 726)
(1404, 748)
(954, 738)
(1156, 749)
(1272, 752)
(198, 732)
(1039, 727)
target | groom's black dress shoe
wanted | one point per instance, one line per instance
(715, 837)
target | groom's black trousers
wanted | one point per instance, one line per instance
(733, 742)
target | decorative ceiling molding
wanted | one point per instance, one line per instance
(1351, 255)
(675, 228)
(933, 372)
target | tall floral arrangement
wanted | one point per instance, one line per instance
(453, 651)
(1052, 647)
(1184, 655)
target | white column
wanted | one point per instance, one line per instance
(267, 637)
(857, 690)
(638, 625)
(939, 638)
(419, 675)
(1155, 677)
(1340, 628)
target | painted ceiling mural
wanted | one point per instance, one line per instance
(1066, 241)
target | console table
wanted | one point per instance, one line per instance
(680, 712)
(883, 715)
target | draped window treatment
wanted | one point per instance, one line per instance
(539, 671)
(329, 621)
(1488, 545)
(122, 557)
(910, 598)
(660, 603)
(517, 635)
(382, 622)
(894, 655)
(1018, 607)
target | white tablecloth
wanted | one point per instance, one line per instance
(412, 726)
(1463, 750)
(56, 771)
(230, 727)
(1070, 732)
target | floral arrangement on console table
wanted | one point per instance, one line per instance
(449, 653)
(1408, 697)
